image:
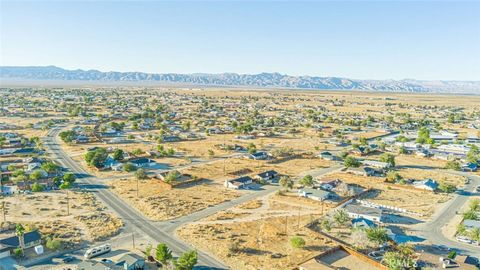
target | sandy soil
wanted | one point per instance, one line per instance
(256, 235)
(48, 212)
(158, 202)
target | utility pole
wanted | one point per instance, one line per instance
(133, 240)
(137, 187)
(298, 219)
(68, 205)
(286, 226)
(3, 210)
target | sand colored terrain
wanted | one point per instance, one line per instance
(158, 202)
(47, 211)
(256, 234)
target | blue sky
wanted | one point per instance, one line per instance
(363, 40)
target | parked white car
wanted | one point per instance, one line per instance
(464, 239)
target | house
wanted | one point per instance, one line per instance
(258, 155)
(469, 167)
(458, 149)
(427, 260)
(327, 156)
(142, 162)
(362, 223)
(330, 184)
(471, 224)
(314, 194)
(360, 211)
(376, 164)
(131, 261)
(427, 184)
(239, 183)
(172, 138)
(268, 176)
(363, 171)
(30, 239)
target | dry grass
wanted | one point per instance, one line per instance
(158, 202)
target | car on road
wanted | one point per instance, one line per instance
(477, 189)
(464, 239)
(68, 259)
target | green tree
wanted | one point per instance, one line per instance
(393, 176)
(297, 242)
(20, 231)
(340, 217)
(163, 254)
(351, 162)
(172, 176)
(186, 261)
(470, 215)
(447, 188)
(67, 136)
(400, 259)
(129, 167)
(388, 158)
(286, 182)
(453, 165)
(35, 175)
(53, 244)
(475, 234)
(326, 225)
(50, 167)
(69, 177)
(307, 180)
(377, 235)
(96, 157)
(36, 187)
(140, 174)
(118, 154)
(65, 185)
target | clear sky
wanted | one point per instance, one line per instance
(361, 40)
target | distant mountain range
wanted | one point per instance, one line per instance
(271, 80)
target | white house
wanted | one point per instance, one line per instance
(360, 211)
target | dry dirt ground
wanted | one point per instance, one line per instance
(158, 202)
(256, 234)
(438, 175)
(418, 201)
(47, 211)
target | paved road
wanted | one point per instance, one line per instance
(134, 221)
(432, 230)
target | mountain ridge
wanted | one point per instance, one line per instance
(265, 79)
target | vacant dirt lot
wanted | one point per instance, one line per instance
(256, 235)
(158, 202)
(47, 211)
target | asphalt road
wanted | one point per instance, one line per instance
(134, 221)
(432, 230)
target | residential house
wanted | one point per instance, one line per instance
(427, 184)
(471, 224)
(362, 223)
(376, 164)
(239, 183)
(142, 162)
(360, 211)
(131, 261)
(30, 239)
(469, 167)
(328, 185)
(261, 155)
(314, 194)
(268, 176)
(363, 171)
